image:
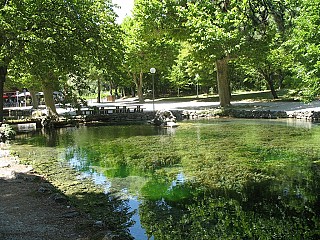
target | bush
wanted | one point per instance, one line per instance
(6, 132)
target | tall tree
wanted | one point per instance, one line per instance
(51, 38)
(145, 53)
(218, 30)
(304, 45)
(12, 37)
(137, 55)
(106, 47)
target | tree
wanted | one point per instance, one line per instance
(51, 38)
(304, 45)
(188, 70)
(218, 30)
(270, 65)
(137, 55)
(144, 53)
(106, 47)
(13, 30)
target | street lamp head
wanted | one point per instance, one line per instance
(152, 70)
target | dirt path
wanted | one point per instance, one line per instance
(29, 210)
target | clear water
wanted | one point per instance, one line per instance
(219, 179)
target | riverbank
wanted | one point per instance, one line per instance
(28, 210)
(46, 204)
(121, 112)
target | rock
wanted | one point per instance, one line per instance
(4, 164)
(43, 190)
(164, 118)
(58, 198)
(71, 214)
(99, 224)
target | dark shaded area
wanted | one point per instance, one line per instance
(33, 209)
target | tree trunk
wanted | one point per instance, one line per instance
(35, 100)
(223, 82)
(271, 85)
(138, 82)
(281, 78)
(140, 91)
(111, 88)
(3, 74)
(268, 76)
(47, 89)
(99, 91)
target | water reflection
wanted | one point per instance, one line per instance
(299, 123)
(208, 179)
(137, 229)
(112, 181)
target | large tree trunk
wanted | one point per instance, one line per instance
(138, 82)
(223, 82)
(47, 88)
(3, 74)
(35, 100)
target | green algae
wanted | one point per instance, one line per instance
(241, 179)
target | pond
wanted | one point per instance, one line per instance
(217, 179)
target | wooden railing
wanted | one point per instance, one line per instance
(110, 110)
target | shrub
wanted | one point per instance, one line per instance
(6, 132)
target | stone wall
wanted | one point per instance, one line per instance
(252, 114)
(306, 115)
(195, 114)
(147, 116)
(116, 118)
(265, 114)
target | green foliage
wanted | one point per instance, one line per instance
(304, 46)
(146, 51)
(6, 133)
(219, 30)
(43, 42)
(274, 41)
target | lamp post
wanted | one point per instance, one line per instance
(153, 71)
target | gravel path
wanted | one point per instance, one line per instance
(203, 104)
